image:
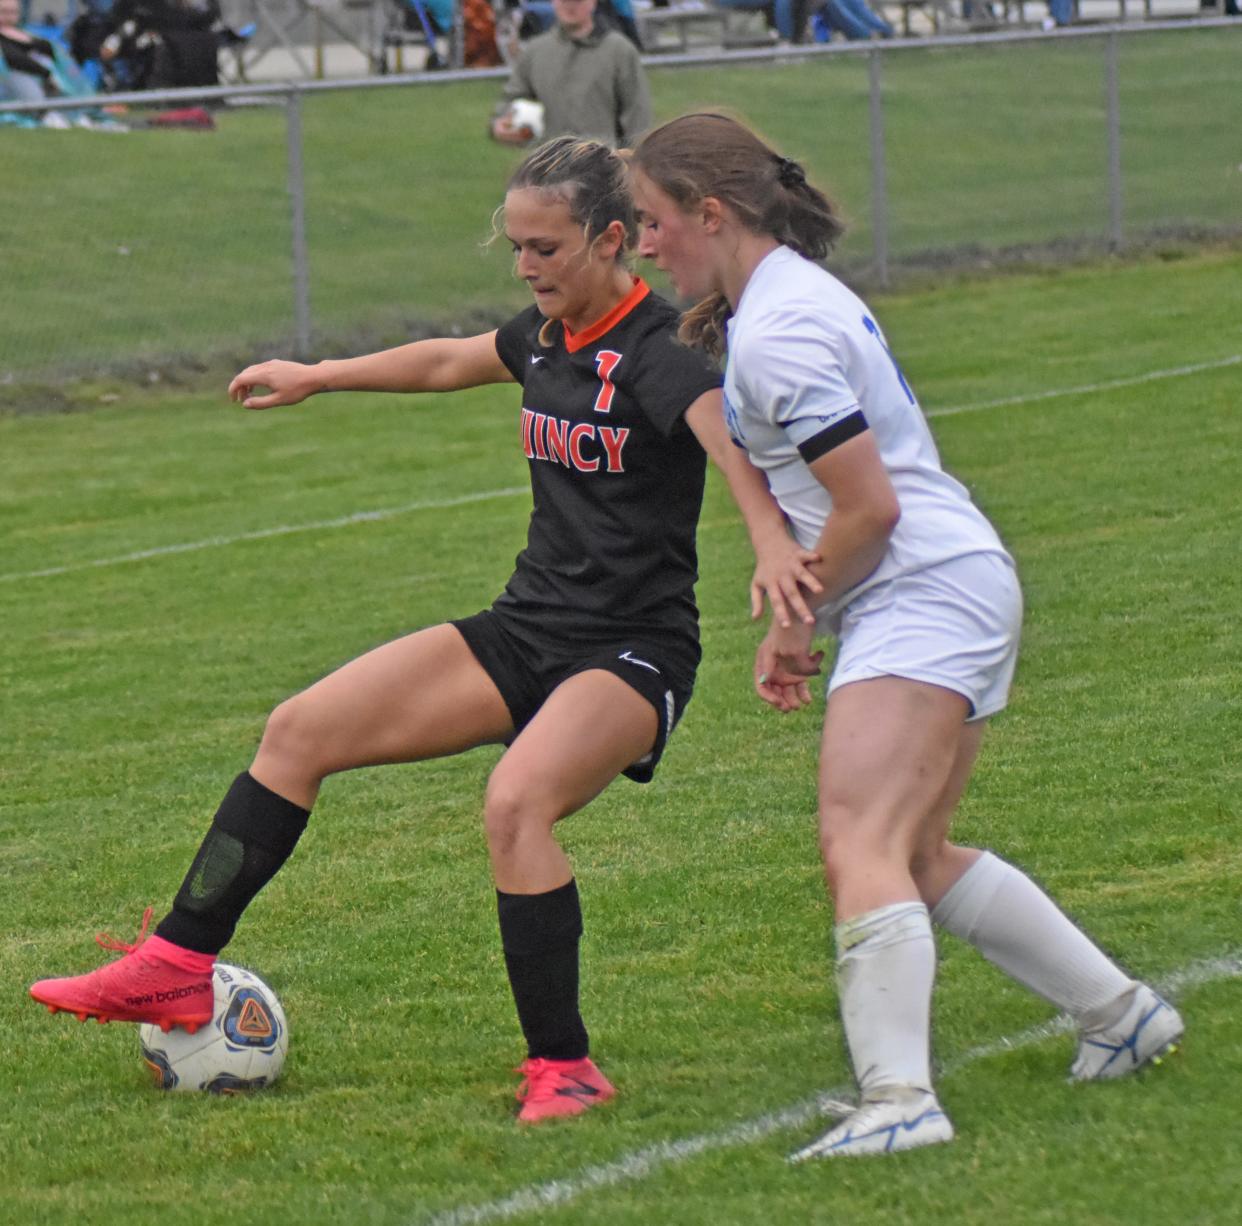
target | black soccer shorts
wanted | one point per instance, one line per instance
(526, 668)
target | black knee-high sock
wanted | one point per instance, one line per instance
(253, 834)
(540, 934)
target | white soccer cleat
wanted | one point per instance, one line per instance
(1146, 1033)
(904, 1118)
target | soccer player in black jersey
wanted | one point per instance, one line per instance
(582, 666)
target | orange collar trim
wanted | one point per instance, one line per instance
(579, 340)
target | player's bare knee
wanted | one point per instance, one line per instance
(510, 813)
(290, 736)
(841, 827)
(837, 849)
(849, 837)
(843, 863)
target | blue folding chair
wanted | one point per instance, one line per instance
(420, 21)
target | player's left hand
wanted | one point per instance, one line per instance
(782, 575)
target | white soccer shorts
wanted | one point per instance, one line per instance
(955, 625)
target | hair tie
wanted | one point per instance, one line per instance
(789, 173)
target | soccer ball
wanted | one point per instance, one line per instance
(242, 1048)
(526, 115)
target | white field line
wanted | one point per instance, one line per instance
(1086, 389)
(358, 517)
(636, 1166)
(215, 542)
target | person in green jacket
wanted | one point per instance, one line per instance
(587, 77)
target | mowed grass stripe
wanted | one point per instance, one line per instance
(1087, 389)
(361, 517)
(261, 534)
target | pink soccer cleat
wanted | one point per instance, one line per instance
(556, 1088)
(143, 986)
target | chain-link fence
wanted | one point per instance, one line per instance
(322, 217)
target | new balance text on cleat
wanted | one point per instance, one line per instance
(555, 1088)
(140, 987)
(1145, 1033)
(898, 1118)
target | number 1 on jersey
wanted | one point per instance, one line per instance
(873, 328)
(606, 362)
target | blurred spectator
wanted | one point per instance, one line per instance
(479, 49)
(34, 68)
(587, 76)
(788, 17)
(1060, 13)
(621, 14)
(538, 15)
(852, 18)
(86, 34)
(979, 12)
(164, 44)
(31, 61)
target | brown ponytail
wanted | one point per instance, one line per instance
(703, 325)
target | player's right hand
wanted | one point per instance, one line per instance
(783, 663)
(286, 383)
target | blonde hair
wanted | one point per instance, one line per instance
(711, 154)
(591, 179)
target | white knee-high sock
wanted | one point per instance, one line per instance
(1013, 923)
(886, 961)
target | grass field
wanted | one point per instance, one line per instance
(132, 690)
(173, 248)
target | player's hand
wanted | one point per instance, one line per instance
(783, 662)
(782, 575)
(286, 383)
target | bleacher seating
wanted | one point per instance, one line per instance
(674, 28)
(698, 24)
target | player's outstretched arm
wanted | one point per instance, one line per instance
(441, 365)
(781, 566)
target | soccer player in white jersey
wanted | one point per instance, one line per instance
(926, 605)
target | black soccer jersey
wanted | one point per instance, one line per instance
(617, 476)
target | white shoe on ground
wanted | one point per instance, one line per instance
(1146, 1032)
(899, 1117)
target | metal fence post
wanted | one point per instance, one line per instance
(457, 43)
(1112, 103)
(879, 174)
(297, 225)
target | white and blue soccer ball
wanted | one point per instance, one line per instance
(242, 1048)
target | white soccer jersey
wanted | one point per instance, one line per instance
(809, 368)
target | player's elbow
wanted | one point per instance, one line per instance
(876, 518)
(887, 516)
